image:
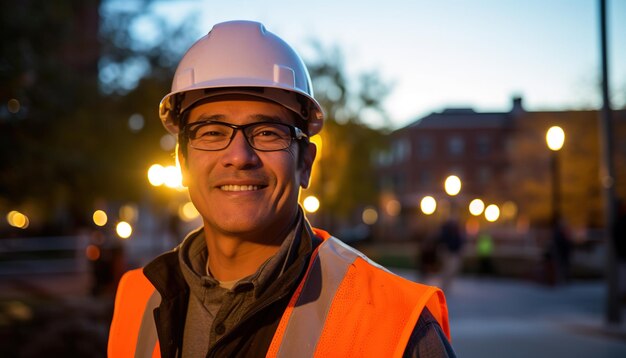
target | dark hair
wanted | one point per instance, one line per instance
(299, 122)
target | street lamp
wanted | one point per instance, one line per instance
(492, 213)
(555, 138)
(476, 207)
(452, 185)
(428, 204)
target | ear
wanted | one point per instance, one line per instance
(307, 161)
(182, 163)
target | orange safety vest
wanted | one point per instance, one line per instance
(346, 306)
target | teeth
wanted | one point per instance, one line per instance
(239, 187)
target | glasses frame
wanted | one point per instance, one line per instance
(295, 134)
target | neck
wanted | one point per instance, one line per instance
(232, 257)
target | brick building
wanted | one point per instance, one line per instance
(501, 158)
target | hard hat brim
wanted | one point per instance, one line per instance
(298, 102)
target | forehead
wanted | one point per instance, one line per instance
(240, 110)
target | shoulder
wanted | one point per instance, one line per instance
(428, 339)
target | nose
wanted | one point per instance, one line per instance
(239, 153)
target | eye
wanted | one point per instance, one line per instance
(266, 133)
(270, 131)
(211, 131)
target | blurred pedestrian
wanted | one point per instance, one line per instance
(452, 240)
(561, 248)
(256, 279)
(427, 256)
(484, 251)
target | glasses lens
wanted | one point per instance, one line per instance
(269, 136)
(264, 136)
(210, 136)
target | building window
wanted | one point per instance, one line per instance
(483, 144)
(456, 146)
(484, 175)
(425, 147)
(425, 178)
(401, 150)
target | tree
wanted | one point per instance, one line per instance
(344, 176)
(70, 80)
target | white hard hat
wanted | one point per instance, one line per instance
(241, 57)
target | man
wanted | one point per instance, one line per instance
(256, 279)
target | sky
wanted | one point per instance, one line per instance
(448, 53)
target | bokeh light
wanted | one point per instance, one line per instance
(452, 185)
(555, 138)
(509, 210)
(476, 207)
(188, 212)
(129, 213)
(428, 205)
(135, 122)
(492, 213)
(311, 204)
(155, 175)
(18, 220)
(393, 207)
(92, 252)
(369, 215)
(172, 178)
(167, 142)
(100, 218)
(124, 230)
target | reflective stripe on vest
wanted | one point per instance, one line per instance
(133, 332)
(348, 306)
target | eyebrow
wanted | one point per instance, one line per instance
(205, 117)
(266, 118)
(255, 117)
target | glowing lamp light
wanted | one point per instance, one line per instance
(129, 212)
(428, 205)
(100, 218)
(188, 212)
(452, 185)
(92, 252)
(555, 138)
(155, 175)
(369, 216)
(476, 207)
(172, 178)
(311, 204)
(492, 213)
(18, 220)
(124, 230)
(509, 210)
(393, 207)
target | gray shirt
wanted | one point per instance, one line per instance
(213, 310)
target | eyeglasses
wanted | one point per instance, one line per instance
(262, 136)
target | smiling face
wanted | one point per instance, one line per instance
(241, 192)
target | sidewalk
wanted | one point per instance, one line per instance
(506, 318)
